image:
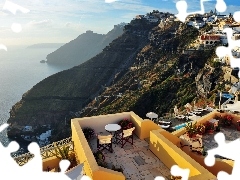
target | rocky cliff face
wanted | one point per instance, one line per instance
(84, 47)
(52, 100)
(145, 69)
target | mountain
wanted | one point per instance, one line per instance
(84, 47)
(147, 68)
(52, 100)
(46, 45)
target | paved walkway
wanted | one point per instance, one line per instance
(137, 161)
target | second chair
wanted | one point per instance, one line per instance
(105, 142)
(125, 136)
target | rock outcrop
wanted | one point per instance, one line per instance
(84, 47)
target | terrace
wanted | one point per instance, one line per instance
(153, 153)
(231, 133)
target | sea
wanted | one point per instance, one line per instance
(20, 70)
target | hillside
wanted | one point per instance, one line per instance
(51, 100)
(84, 47)
(147, 68)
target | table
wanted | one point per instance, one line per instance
(112, 128)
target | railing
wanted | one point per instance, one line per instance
(224, 105)
(46, 151)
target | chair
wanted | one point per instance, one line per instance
(105, 142)
(125, 136)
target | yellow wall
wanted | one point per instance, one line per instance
(52, 162)
(220, 165)
(84, 155)
(82, 149)
(107, 174)
(171, 155)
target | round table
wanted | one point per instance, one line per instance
(112, 128)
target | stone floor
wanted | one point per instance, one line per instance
(230, 133)
(137, 161)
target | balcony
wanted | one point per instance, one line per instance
(153, 153)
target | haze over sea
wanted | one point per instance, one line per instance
(20, 70)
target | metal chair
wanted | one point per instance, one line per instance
(105, 142)
(125, 136)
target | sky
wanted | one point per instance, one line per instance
(60, 21)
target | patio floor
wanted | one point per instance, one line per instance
(137, 161)
(230, 133)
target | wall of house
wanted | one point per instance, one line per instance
(142, 127)
(51, 162)
(98, 123)
(171, 155)
(84, 153)
(104, 173)
(82, 150)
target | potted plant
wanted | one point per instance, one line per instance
(226, 120)
(209, 127)
(63, 153)
(201, 129)
(218, 128)
(191, 129)
(88, 132)
(100, 158)
(125, 124)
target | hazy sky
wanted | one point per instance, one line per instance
(63, 20)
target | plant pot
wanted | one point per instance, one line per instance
(217, 129)
(191, 135)
(211, 131)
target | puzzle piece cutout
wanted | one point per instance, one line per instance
(236, 16)
(10, 169)
(222, 51)
(13, 8)
(228, 150)
(182, 8)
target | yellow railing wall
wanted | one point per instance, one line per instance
(171, 155)
(51, 162)
(84, 155)
(82, 150)
(142, 127)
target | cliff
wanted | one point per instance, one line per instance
(147, 68)
(52, 100)
(84, 47)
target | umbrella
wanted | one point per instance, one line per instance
(151, 115)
